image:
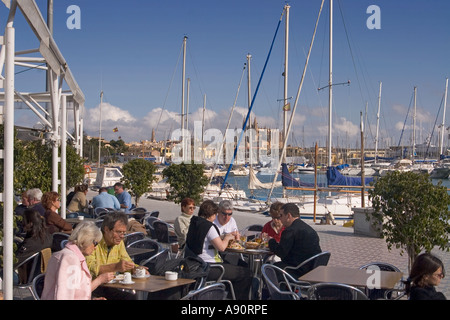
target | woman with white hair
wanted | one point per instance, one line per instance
(67, 276)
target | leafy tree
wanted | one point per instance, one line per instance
(74, 167)
(119, 146)
(138, 177)
(413, 212)
(32, 166)
(186, 180)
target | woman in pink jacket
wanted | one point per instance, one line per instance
(67, 276)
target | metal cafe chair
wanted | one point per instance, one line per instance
(335, 291)
(37, 286)
(281, 285)
(320, 259)
(216, 291)
(163, 235)
(390, 294)
(132, 237)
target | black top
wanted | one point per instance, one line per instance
(425, 293)
(298, 242)
(31, 245)
(198, 229)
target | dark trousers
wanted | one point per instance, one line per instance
(113, 294)
(240, 277)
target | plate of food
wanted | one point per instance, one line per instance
(119, 277)
(252, 245)
(236, 246)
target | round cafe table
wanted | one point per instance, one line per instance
(255, 257)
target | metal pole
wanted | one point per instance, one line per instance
(8, 182)
(330, 86)
(182, 97)
(100, 133)
(378, 124)
(63, 155)
(363, 190)
(441, 150)
(286, 63)
(316, 157)
(55, 98)
(414, 125)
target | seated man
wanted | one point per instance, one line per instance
(105, 200)
(224, 220)
(110, 255)
(298, 241)
(123, 196)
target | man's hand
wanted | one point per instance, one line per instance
(124, 265)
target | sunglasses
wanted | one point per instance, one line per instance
(226, 214)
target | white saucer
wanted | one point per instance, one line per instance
(144, 277)
(123, 282)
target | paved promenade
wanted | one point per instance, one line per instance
(347, 249)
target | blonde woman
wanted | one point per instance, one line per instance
(67, 276)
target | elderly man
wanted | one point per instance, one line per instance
(105, 200)
(226, 224)
(110, 254)
(123, 196)
(34, 200)
(298, 241)
(224, 220)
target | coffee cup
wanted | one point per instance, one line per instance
(140, 272)
(80, 217)
(170, 275)
(127, 277)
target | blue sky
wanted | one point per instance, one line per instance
(131, 50)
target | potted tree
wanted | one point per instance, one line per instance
(138, 177)
(412, 211)
(186, 180)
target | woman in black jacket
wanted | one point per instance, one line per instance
(426, 273)
(203, 240)
(37, 236)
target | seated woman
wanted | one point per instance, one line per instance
(274, 227)
(203, 239)
(37, 236)
(79, 202)
(426, 273)
(51, 202)
(68, 276)
(181, 224)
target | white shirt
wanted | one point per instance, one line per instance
(209, 253)
(230, 227)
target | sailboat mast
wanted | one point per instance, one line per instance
(286, 51)
(182, 96)
(249, 105)
(100, 131)
(414, 125)
(203, 128)
(441, 150)
(330, 85)
(378, 123)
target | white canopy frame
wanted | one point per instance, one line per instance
(55, 119)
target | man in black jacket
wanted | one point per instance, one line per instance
(298, 241)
